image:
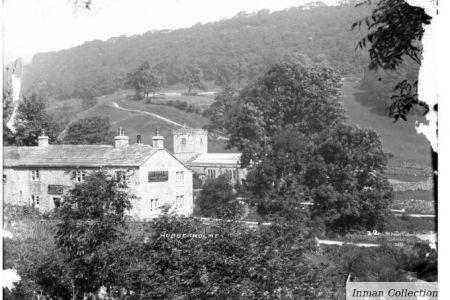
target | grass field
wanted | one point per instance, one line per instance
(411, 160)
(134, 123)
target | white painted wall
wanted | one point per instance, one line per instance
(19, 185)
(167, 191)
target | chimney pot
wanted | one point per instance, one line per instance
(158, 140)
(121, 139)
(43, 140)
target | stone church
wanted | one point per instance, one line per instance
(190, 145)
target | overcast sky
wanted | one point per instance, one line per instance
(32, 26)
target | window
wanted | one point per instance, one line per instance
(79, 176)
(5, 179)
(179, 204)
(183, 141)
(57, 201)
(154, 205)
(35, 175)
(35, 200)
(179, 177)
(211, 173)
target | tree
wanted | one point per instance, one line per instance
(91, 130)
(218, 200)
(31, 120)
(91, 215)
(219, 110)
(287, 95)
(268, 262)
(144, 81)
(33, 254)
(395, 33)
(347, 184)
(192, 79)
(339, 170)
(8, 136)
(290, 128)
(223, 76)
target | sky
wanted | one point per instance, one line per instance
(33, 26)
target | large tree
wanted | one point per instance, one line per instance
(92, 214)
(192, 79)
(218, 200)
(31, 120)
(287, 95)
(219, 110)
(290, 128)
(91, 130)
(143, 80)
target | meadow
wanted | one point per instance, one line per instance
(410, 162)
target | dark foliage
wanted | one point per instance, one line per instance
(92, 214)
(289, 126)
(31, 120)
(218, 200)
(395, 31)
(387, 263)
(92, 130)
(239, 49)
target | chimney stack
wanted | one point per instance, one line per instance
(121, 140)
(158, 140)
(43, 140)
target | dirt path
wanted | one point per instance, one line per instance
(117, 106)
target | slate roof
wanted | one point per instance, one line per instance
(216, 159)
(77, 156)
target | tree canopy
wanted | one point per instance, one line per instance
(395, 31)
(143, 80)
(91, 130)
(92, 214)
(218, 200)
(192, 79)
(31, 119)
(287, 95)
(243, 45)
(290, 127)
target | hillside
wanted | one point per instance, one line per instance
(244, 44)
(137, 120)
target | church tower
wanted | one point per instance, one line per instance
(188, 142)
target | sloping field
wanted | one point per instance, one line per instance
(138, 123)
(411, 161)
(409, 148)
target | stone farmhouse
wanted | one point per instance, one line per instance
(39, 176)
(190, 145)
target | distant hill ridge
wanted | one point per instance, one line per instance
(245, 44)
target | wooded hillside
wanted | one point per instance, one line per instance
(242, 46)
